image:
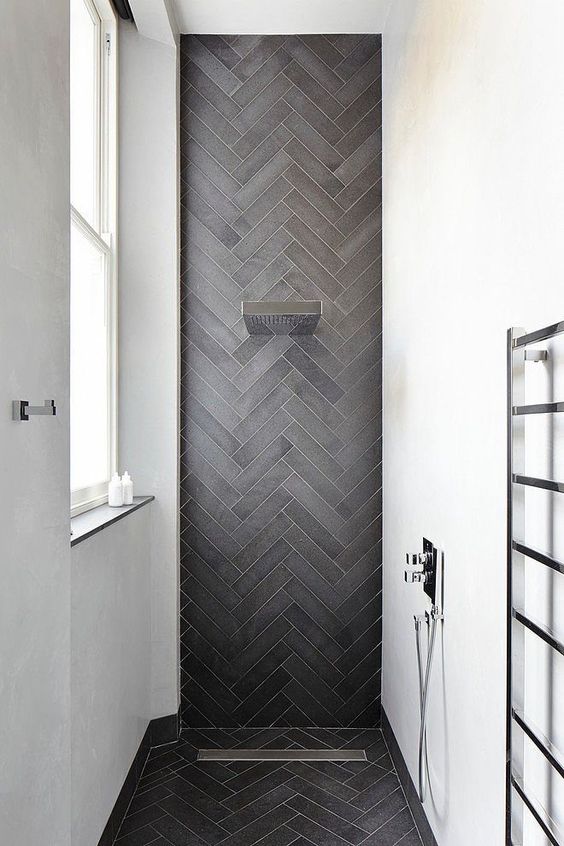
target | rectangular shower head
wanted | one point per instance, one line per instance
(295, 317)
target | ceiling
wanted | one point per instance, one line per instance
(161, 18)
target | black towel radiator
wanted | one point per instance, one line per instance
(519, 725)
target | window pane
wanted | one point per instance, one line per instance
(83, 66)
(89, 363)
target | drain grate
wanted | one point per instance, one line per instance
(281, 755)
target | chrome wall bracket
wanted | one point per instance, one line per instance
(21, 409)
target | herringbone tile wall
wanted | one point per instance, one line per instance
(281, 437)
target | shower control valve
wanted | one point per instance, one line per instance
(418, 559)
(425, 566)
(415, 576)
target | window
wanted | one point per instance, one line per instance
(93, 411)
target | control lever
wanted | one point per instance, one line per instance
(424, 570)
(415, 576)
(416, 559)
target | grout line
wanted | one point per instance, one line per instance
(359, 121)
(261, 221)
(254, 74)
(188, 186)
(264, 190)
(207, 152)
(261, 92)
(316, 108)
(214, 211)
(265, 268)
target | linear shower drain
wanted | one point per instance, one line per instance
(281, 755)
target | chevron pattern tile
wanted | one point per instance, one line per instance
(186, 803)
(281, 436)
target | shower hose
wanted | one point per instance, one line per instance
(424, 676)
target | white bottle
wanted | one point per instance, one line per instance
(127, 486)
(115, 491)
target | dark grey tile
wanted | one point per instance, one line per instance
(313, 373)
(272, 194)
(262, 438)
(319, 560)
(218, 510)
(262, 257)
(207, 139)
(211, 270)
(309, 577)
(260, 492)
(368, 151)
(318, 248)
(328, 819)
(304, 468)
(193, 75)
(365, 100)
(268, 801)
(262, 541)
(314, 425)
(211, 65)
(140, 837)
(360, 80)
(322, 47)
(263, 48)
(210, 399)
(261, 594)
(301, 103)
(210, 115)
(314, 191)
(280, 438)
(322, 459)
(262, 129)
(196, 154)
(258, 159)
(264, 565)
(314, 504)
(315, 66)
(138, 819)
(273, 629)
(368, 47)
(261, 671)
(213, 351)
(301, 207)
(262, 464)
(315, 833)
(262, 515)
(220, 48)
(269, 224)
(314, 90)
(261, 77)
(268, 379)
(313, 528)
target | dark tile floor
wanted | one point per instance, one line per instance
(183, 802)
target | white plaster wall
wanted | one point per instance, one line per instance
(34, 456)
(473, 222)
(272, 16)
(111, 672)
(148, 325)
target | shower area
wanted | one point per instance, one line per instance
(281, 515)
(281, 433)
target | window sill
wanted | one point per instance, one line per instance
(91, 522)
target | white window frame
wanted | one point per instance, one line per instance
(103, 234)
